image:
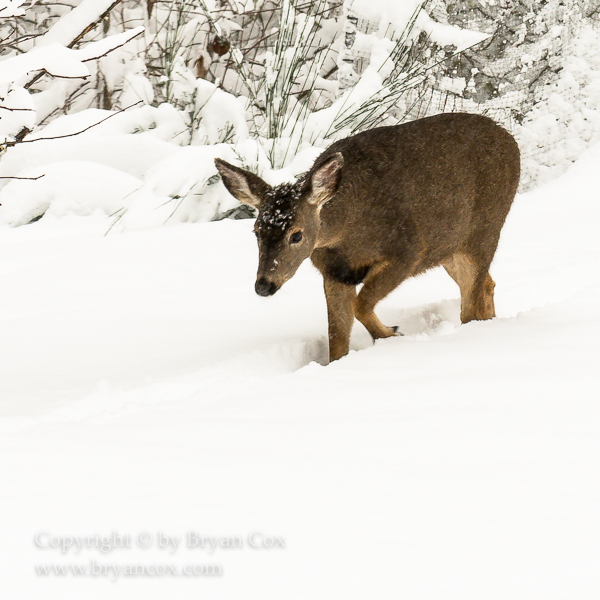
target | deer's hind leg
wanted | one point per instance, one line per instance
(380, 281)
(476, 287)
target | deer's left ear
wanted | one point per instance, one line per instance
(243, 185)
(325, 180)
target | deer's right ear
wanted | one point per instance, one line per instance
(243, 185)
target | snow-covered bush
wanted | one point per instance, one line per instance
(269, 94)
(566, 121)
(52, 55)
(267, 85)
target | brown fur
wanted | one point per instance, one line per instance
(385, 205)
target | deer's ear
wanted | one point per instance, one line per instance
(326, 180)
(243, 185)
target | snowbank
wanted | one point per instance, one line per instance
(146, 388)
(67, 187)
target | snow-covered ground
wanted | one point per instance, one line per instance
(146, 388)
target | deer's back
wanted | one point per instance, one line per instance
(424, 187)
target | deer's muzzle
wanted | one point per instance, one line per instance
(264, 287)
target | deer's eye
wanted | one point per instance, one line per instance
(296, 237)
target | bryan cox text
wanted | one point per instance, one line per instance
(194, 540)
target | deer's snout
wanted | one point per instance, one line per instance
(264, 287)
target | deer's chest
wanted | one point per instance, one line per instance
(335, 264)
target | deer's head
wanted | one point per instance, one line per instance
(288, 222)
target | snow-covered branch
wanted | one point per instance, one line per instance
(11, 8)
(69, 29)
(59, 61)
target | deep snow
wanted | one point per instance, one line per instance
(144, 387)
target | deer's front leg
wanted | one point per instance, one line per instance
(340, 316)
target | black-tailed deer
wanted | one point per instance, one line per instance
(385, 205)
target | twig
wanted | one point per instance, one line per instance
(17, 109)
(113, 48)
(58, 137)
(94, 24)
(15, 177)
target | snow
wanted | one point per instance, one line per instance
(397, 13)
(17, 111)
(449, 35)
(51, 56)
(94, 50)
(114, 159)
(177, 188)
(371, 83)
(146, 388)
(567, 121)
(74, 22)
(219, 112)
(55, 59)
(60, 61)
(11, 8)
(174, 182)
(67, 187)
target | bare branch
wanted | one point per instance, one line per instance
(94, 24)
(114, 47)
(58, 137)
(17, 109)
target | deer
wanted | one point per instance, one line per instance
(384, 205)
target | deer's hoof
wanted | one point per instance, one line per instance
(395, 329)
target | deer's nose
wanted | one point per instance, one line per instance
(264, 287)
